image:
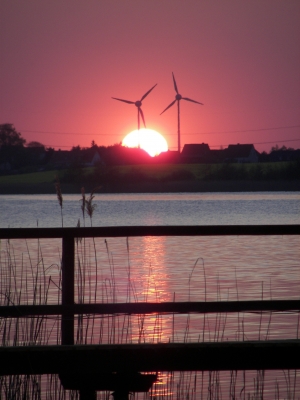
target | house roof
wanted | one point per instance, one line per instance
(195, 150)
(239, 150)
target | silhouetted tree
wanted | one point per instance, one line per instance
(263, 157)
(10, 137)
(282, 148)
(35, 144)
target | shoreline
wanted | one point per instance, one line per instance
(195, 186)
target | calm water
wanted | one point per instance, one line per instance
(154, 209)
(260, 266)
(165, 268)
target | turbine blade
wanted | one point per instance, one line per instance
(146, 94)
(175, 86)
(194, 101)
(170, 105)
(142, 115)
(125, 101)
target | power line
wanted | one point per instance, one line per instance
(244, 131)
(184, 133)
(199, 133)
(73, 133)
(217, 145)
(274, 141)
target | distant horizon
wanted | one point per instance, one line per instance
(287, 143)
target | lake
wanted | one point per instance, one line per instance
(153, 209)
(163, 268)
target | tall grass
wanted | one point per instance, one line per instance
(59, 198)
(26, 278)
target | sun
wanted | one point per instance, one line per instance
(147, 139)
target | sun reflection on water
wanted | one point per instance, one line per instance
(155, 288)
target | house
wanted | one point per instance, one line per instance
(217, 156)
(76, 157)
(167, 157)
(195, 153)
(241, 153)
(90, 157)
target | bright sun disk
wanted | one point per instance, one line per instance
(147, 139)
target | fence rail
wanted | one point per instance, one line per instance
(165, 356)
(97, 359)
(131, 231)
(252, 306)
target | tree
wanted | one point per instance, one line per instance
(35, 144)
(76, 148)
(10, 137)
(282, 148)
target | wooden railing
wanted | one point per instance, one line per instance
(145, 357)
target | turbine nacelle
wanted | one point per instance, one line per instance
(178, 97)
(138, 104)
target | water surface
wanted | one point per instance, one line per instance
(153, 209)
(162, 269)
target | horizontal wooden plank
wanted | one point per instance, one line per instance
(127, 231)
(148, 308)
(130, 382)
(127, 358)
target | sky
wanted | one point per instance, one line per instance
(62, 61)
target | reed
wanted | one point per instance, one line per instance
(59, 198)
(26, 278)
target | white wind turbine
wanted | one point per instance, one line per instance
(178, 97)
(138, 104)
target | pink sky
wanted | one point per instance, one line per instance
(63, 60)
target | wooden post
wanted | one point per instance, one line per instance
(87, 394)
(120, 395)
(68, 265)
(68, 290)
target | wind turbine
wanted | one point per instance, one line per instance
(138, 104)
(178, 97)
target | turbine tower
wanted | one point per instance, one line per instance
(178, 97)
(138, 104)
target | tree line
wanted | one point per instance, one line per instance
(17, 156)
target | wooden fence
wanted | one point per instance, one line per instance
(104, 359)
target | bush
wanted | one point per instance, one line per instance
(180, 175)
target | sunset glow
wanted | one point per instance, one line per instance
(241, 59)
(147, 139)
